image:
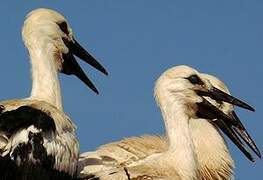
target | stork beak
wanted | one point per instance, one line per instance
(242, 132)
(229, 124)
(219, 95)
(70, 65)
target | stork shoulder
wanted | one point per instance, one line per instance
(61, 120)
(35, 133)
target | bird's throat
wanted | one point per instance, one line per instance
(181, 146)
(45, 82)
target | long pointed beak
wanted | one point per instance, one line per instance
(224, 122)
(81, 53)
(219, 95)
(71, 66)
(229, 124)
(233, 137)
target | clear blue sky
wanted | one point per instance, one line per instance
(136, 41)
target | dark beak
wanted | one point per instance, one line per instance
(229, 124)
(242, 132)
(70, 65)
(219, 95)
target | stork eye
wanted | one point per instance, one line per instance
(194, 79)
(63, 27)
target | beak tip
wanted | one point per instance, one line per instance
(251, 158)
(259, 155)
(105, 72)
(96, 91)
(250, 108)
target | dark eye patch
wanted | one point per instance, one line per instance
(64, 27)
(194, 79)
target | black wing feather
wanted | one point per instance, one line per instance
(28, 160)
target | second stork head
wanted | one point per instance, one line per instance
(49, 31)
(194, 92)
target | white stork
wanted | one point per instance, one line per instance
(37, 139)
(194, 107)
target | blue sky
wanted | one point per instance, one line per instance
(136, 41)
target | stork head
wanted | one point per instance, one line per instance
(49, 31)
(206, 97)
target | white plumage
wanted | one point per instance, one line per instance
(193, 148)
(37, 139)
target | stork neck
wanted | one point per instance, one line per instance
(211, 150)
(181, 146)
(45, 82)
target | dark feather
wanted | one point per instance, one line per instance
(29, 160)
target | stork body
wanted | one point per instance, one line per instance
(193, 148)
(37, 139)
